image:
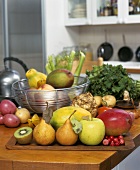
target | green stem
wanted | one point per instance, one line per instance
(71, 59)
(79, 67)
(80, 64)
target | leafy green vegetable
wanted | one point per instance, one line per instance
(113, 80)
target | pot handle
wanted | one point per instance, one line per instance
(18, 61)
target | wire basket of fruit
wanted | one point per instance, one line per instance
(36, 100)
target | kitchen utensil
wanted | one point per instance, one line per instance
(137, 54)
(125, 53)
(8, 77)
(105, 50)
(36, 100)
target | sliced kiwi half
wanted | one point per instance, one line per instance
(24, 135)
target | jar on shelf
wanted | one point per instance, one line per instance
(88, 52)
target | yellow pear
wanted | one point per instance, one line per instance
(65, 134)
(35, 78)
(43, 133)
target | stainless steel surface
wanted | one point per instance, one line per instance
(9, 76)
(37, 100)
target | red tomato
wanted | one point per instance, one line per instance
(103, 109)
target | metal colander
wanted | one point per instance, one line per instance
(37, 100)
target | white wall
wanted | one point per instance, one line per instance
(59, 36)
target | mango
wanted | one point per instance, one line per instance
(60, 78)
(62, 114)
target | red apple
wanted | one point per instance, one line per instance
(117, 121)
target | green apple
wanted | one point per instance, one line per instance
(93, 131)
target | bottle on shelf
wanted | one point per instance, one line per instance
(114, 4)
(137, 8)
(108, 9)
(131, 7)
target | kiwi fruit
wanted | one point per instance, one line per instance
(24, 135)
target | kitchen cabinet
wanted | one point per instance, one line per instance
(101, 12)
(77, 12)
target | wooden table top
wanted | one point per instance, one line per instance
(61, 160)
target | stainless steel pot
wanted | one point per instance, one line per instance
(8, 77)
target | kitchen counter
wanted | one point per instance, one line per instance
(61, 160)
(131, 67)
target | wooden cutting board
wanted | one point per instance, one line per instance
(13, 145)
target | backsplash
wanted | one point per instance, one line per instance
(95, 35)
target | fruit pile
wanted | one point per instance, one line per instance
(90, 120)
(66, 126)
(59, 70)
(60, 78)
(11, 116)
(70, 125)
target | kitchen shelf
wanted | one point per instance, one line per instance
(92, 15)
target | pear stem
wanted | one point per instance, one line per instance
(72, 114)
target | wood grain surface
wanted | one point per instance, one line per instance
(13, 145)
(61, 160)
